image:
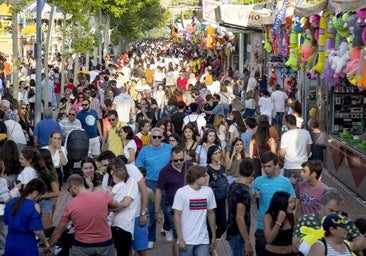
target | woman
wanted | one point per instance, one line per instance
(261, 142)
(175, 140)
(250, 104)
(78, 102)
(129, 144)
(24, 121)
(216, 171)
(237, 126)
(209, 139)
(160, 97)
(233, 159)
(95, 102)
(189, 143)
(49, 199)
(332, 244)
(296, 107)
(10, 155)
(265, 105)
(320, 141)
(221, 128)
(90, 176)
(23, 217)
(279, 224)
(58, 153)
(237, 232)
(65, 102)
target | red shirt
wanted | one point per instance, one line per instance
(182, 83)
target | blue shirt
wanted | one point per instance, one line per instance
(44, 129)
(88, 120)
(153, 159)
(267, 186)
(245, 137)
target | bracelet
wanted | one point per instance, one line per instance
(279, 224)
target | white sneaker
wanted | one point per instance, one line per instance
(169, 235)
(151, 245)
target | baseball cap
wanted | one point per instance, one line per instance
(334, 220)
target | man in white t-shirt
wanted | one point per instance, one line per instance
(193, 205)
(124, 105)
(253, 82)
(279, 98)
(295, 149)
(200, 119)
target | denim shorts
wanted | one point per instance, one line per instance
(46, 205)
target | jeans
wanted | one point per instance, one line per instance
(260, 242)
(163, 205)
(152, 227)
(170, 216)
(195, 250)
(278, 119)
(237, 245)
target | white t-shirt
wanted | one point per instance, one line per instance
(27, 175)
(233, 128)
(56, 157)
(201, 121)
(124, 103)
(279, 100)
(265, 106)
(194, 205)
(126, 152)
(252, 84)
(295, 142)
(125, 218)
(15, 132)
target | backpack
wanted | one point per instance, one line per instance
(194, 124)
(138, 145)
(77, 145)
(218, 183)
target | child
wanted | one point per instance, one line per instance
(4, 198)
(119, 190)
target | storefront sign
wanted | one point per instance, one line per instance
(208, 10)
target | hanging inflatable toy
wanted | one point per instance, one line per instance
(330, 35)
(292, 60)
(319, 67)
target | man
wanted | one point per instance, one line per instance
(87, 211)
(310, 191)
(153, 157)
(125, 106)
(114, 142)
(70, 123)
(177, 117)
(195, 117)
(171, 178)
(197, 98)
(253, 82)
(193, 205)
(89, 121)
(5, 106)
(279, 98)
(263, 188)
(331, 202)
(44, 128)
(13, 131)
(294, 149)
(143, 86)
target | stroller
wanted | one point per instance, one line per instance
(77, 146)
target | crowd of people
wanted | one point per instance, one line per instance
(174, 136)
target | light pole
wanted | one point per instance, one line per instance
(37, 52)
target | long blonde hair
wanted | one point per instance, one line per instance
(218, 121)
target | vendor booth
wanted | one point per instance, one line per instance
(324, 47)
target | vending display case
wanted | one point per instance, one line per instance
(348, 113)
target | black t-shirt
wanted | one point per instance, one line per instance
(177, 120)
(238, 193)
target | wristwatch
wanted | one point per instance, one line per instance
(143, 213)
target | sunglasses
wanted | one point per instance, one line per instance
(111, 120)
(72, 114)
(157, 137)
(24, 108)
(178, 160)
(85, 105)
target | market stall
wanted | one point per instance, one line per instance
(325, 45)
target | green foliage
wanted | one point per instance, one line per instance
(144, 16)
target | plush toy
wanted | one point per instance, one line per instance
(292, 60)
(339, 59)
(315, 23)
(361, 15)
(330, 35)
(338, 21)
(210, 39)
(328, 75)
(353, 65)
(355, 29)
(319, 67)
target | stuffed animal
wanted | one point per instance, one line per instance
(292, 60)
(361, 15)
(330, 35)
(338, 21)
(353, 65)
(339, 59)
(355, 29)
(315, 23)
(328, 75)
(319, 67)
